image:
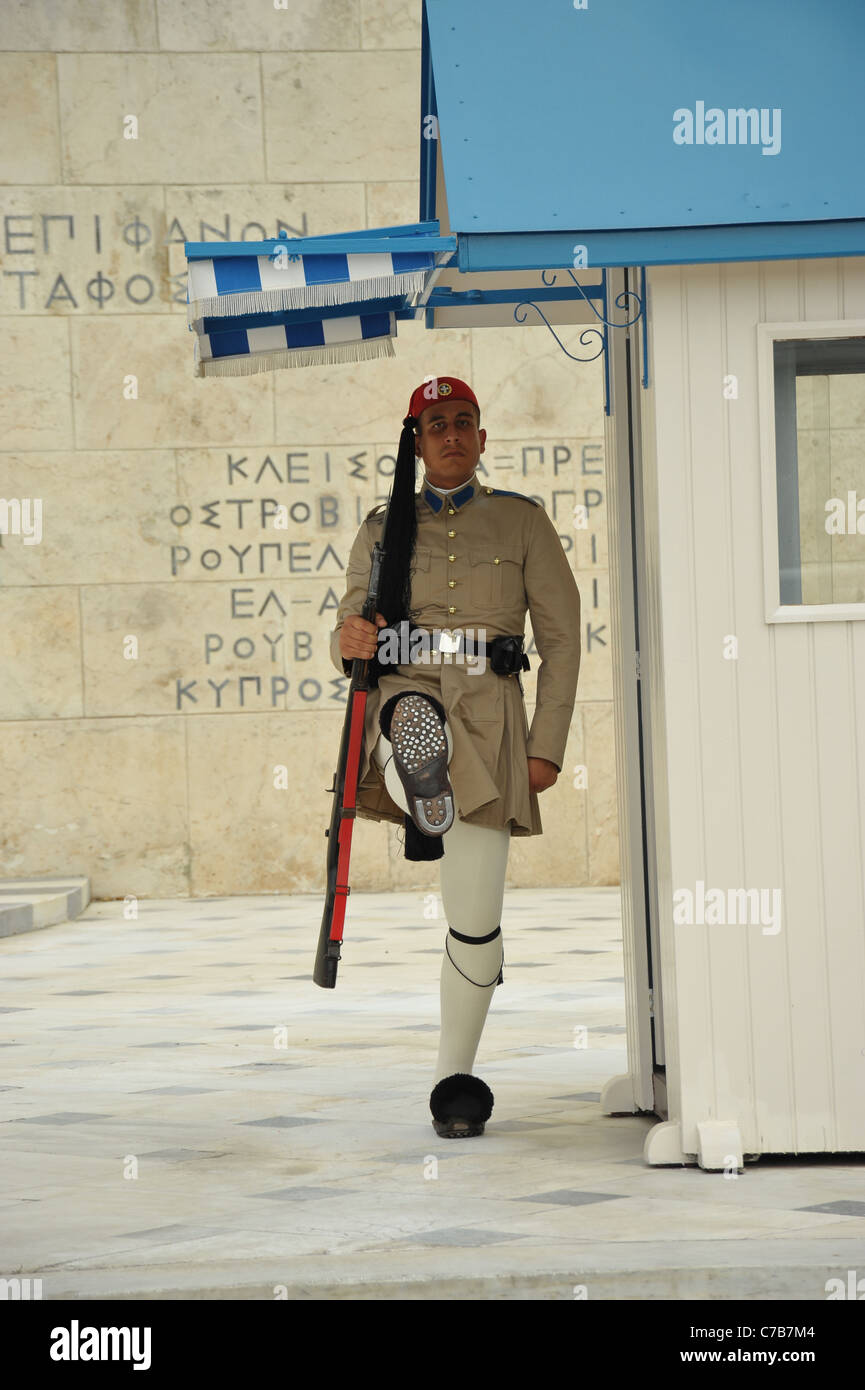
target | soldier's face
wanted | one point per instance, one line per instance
(449, 442)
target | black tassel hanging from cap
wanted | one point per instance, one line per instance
(398, 541)
(394, 595)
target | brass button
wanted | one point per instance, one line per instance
(452, 557)
(452, 610)
(497, 561)
(488, 491)
(451, 511)
(451, 583)
(451, 533)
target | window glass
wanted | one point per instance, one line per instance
(820, 458)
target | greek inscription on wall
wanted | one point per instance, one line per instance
(290, 515)
(126, 259)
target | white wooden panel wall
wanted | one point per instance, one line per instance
(765, 755)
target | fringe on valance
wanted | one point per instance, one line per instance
(363, 350)
(304, 296)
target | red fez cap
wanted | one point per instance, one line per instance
(440, 388)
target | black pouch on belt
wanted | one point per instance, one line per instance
(507, 657)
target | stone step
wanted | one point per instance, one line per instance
(41, 900)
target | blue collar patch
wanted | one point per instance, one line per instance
(433, 499)
(436, 500)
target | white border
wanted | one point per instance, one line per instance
(767, 334)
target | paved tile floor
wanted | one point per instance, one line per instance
(185, 1114)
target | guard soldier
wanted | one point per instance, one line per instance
(448, 751)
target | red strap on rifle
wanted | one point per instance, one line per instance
(349, 801)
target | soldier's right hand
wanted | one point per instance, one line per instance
(357, 637)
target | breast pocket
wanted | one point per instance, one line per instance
(496, 577)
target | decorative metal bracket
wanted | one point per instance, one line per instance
(604, 319)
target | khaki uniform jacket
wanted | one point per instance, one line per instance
(482, 558)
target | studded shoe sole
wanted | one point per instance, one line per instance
(420, 755)
(458, 1129)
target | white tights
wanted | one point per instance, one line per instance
(472, 876)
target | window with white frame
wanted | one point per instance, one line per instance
(819, 436)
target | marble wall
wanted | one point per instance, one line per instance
(164, 650)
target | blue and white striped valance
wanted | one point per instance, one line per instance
(250, 284)
(232, 350)
(298, 301)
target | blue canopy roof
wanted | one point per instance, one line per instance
(648, 132)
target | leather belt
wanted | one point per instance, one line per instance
(504, 654)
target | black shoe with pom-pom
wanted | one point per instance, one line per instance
(461, 1105)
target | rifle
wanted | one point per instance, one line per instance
(344, 788)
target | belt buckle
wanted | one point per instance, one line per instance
(449, 641)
